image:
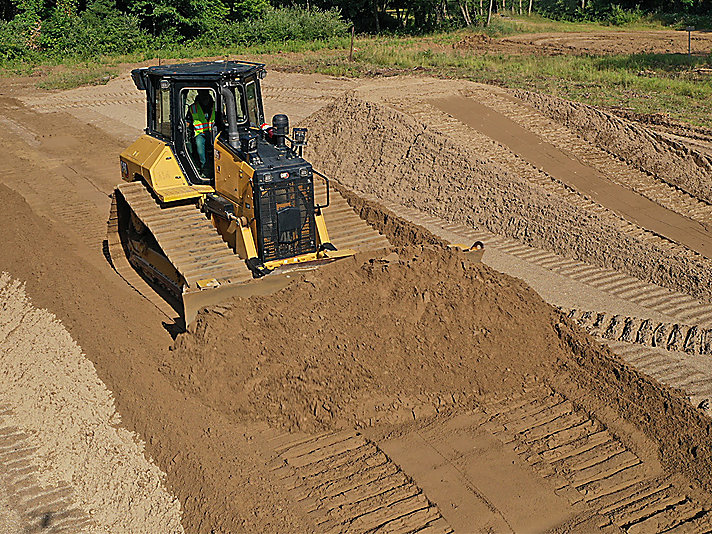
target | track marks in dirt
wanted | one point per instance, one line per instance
(40, 508)
(666, 302)
(615, 169)
(586, 202)
(674, 337)
(349, 485)
(81, 98)
(671, 368)
(590, 465)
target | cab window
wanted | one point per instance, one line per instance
(239, 106)
(251, 96)
(198, 110)
(162, 117)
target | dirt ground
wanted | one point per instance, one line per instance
(593, 43)
(401, 391)
(73, 468)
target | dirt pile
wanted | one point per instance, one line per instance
(371, 341)
(661, 156)
(401, 160)
(51, 392)
(409, 335)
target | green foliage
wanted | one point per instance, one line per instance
(179, 18)
(247, 9)
(279, 25)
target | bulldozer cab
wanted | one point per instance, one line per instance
(187, 107)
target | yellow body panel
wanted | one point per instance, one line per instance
(154, 160)
(322, 233)
(233, 180)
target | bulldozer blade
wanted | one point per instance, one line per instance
(196, 300)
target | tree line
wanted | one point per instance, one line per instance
(93, 27)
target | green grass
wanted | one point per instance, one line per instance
(78, 76)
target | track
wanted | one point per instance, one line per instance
(673, 337)
(186, 237)
(349, 485)
(590, 465)
(189, 240)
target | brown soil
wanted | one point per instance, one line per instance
(468, 178)
(603, 42)
(438, 387)
(668, 159)
(414, 335)
(422, 329)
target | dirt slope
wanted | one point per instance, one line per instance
(471, 179)
(51, 393)
(667, 159)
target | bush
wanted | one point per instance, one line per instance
(14, 41)
(279, 25)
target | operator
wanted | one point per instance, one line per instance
(201, 117)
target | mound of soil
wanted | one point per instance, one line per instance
(404, 161)
(669, 160)
(418, 332)
(370, 341)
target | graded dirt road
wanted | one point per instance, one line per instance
(463, 401)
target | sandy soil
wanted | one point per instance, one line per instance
(507, 188)
(63, 433)
(365, 397)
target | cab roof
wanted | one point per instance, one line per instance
(201, 70)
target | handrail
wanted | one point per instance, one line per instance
(326, 181)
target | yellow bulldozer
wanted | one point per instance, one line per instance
(217, 203)
(214, 198)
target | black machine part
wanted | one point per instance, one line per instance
(280, 123)
(233, 136)
(220, 206)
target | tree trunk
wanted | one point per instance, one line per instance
(520, 8)
(489, 13)
(530, 7)
(465, 13)
(482, 10)
(376, 21)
